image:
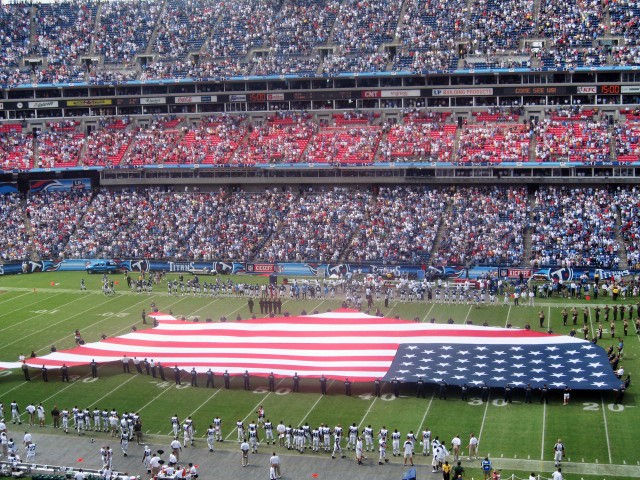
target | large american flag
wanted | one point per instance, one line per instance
(349, 344)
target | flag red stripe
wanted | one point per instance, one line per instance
(240, 345)
(155, 354)
(480, 333)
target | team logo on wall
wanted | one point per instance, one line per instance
(223, 268)
(313, 268)
(340, 269)
(44, 266)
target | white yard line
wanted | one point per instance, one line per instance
(468, 313)
(424, 417)
(253, 410)
(9, 312)
(125, 329)
(154, 398)
(111, 391)
(606, 428)
(33, 317)
(506, 322)
(314, 405)
(544, 426)
(49, 325)
(71, 384)
(310, 410)
(425, 317)
(367, 412)
(88, 326)
(202, 405)
(484, 417)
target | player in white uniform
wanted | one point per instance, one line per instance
(211, 437)
(368, 438)
(146, 458)
(188, 431)
(268, 432)
(217, 425)
(326, 437)
(558, 452)
(315, 440)
(337, 439)
(353, 436)
(124, 442)
(382, 447)
(31, 453)
(395, 442)
(240, 427)
(175, 425)
(96, 419)
(254, 440)
(426, 442)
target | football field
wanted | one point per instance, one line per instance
(41, 310)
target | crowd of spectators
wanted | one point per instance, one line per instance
(63, 32)
(158, 143)
(494, 142)
(14, 240)
(484, 226)
(574, 227)
(16, 149)
(319, 225)
(627, 200)
(576, 141)
(185, 26)
(498, 27)
(216, 138)
(244, 25)
(153, 223)
(59, 149)
(418, 141)
(339, 62)
(277, 142)
(236, 226)
(336, 145)
(14, 40)
(54, 217)
(401, 224)
(107, 145)
(625, 20)
(276, 37)
(134, 223)
(303, 24)
(363, 25)
(628, 141)
(431, 30)
(476, 225)
(205, 67)
(125, 28)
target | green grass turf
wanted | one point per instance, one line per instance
(34, 314)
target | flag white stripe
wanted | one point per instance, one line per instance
(359, 339)
(175, 348)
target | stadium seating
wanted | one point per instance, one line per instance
(276, 37)
(14, 240)
(401, 226)
(16, 148)
(484, 226)
(54, 217)
(574, 227)
(496, 142)
(415, 141)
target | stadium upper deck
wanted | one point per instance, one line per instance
(80, 41)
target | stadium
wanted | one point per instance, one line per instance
(373, 178)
